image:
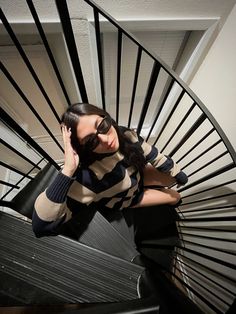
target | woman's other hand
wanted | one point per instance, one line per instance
(71, 157)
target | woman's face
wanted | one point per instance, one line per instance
(87, 126)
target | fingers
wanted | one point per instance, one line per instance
(66, 134)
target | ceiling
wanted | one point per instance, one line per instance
(17, 11)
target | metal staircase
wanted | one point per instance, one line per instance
(149, 260)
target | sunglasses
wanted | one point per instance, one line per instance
(91, 141)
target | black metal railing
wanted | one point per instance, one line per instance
(174, 119)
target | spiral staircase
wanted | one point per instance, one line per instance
(159, 259)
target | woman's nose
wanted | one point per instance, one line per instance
(103, 138)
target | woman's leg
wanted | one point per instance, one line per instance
(153, 177)
(159, 197)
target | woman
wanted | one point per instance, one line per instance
(106, 166)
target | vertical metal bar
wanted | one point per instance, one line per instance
(153, 79)
(19, 181)
(27, 62)
(23, 177)
(191, 279)
(190, 132)
(209, 189)
(200, 155)
(208, 257)
(208, 163)
(47, 47)
(205, 276)
(170, 115)
(18, 153)
(13, 186)
(9, 77)
(3, 164)
(179, 125)
(70, 41)
(207, 268)
(195, 145)
(119, 50)
(209, 176)
(99, 53)
(12, 124)
(209, 208)
(136, 74)
(162, 101)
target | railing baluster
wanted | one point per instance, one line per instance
(3, 164)
(70, 41)
(179, 125)
(169, 116)
(99, 53)
(207, 164)
(136, 74)
(9, 184)
(17, 88)
(162, 101)
(188, 134)
(202, 154)
(18, 153)
(27, 63)
(196, 145)
(19, 181)
(209, 189)
(152, 82)
(208, 176)
(206, 209)
(206, 277)
(213, 270)
(10, 122)
(118, 72)
(208, 199)
(47, 47)
(207, 237)
(208, 257)
(203, 287)
(210, 219)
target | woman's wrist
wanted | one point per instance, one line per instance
(67, 172)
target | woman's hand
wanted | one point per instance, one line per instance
(71, 157)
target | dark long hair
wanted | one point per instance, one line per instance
(133, 153)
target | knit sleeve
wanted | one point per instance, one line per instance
(50, 207)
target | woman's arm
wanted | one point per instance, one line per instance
(50, 206)
(160, 161)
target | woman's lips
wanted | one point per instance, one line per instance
(111, 144)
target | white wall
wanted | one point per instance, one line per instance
(215, 81)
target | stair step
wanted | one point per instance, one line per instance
(64, 268)
(162, 242)
(162, 256)
(118, 221)
(93, 229)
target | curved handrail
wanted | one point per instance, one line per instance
(167, 68)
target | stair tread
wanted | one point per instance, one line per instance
(101, 234)
(71, 270)
(171, 241)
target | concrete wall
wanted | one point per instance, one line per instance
(215, 82)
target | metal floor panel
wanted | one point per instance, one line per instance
(110, 237)
(66, 269)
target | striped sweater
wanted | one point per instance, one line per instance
(108, 183)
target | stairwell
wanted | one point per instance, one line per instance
(149, 260)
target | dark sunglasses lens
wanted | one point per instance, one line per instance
(104, 126)
(91, 143)
(93, 140)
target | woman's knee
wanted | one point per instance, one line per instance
(175, 197)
